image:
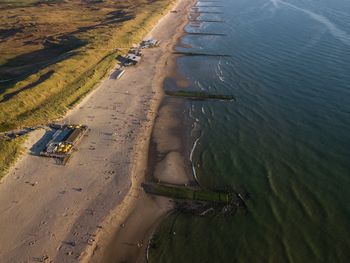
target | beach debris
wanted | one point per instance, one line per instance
(44, 259)
(90, 211)
(226, 209)
(71, 243)
(31, 243)
(78, 189)
(32, 184)
(206, 211)
(109, 172)
(90, 241)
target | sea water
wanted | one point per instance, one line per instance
(285, 140)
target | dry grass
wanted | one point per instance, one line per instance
(58, 52)
(10, 151)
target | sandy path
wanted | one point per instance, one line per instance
(55, 213)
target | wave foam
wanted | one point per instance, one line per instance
(332, 28)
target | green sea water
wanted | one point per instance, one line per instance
(286, 140)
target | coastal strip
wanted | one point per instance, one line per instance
(75, 207)
(57, 83)
(130, 225)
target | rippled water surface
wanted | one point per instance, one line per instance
(286, 140)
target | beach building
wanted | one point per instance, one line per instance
(149, 43)
(132, 59)
(63, 141)
(136, 51)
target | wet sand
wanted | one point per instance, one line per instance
(53, 213)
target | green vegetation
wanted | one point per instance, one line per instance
(10, 151)
(198, 95)
(78, 57)
(52, 53)
(179, 192)
(13, 3)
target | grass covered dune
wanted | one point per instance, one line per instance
(52, 53)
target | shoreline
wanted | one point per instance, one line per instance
(62, 223)
(130, 239)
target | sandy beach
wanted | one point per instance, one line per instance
(53, 213)
(128, 238)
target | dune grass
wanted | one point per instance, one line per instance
(10, 151)
(75, 75)
(102, 36)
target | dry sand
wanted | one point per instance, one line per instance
(69, 213)
(130, 238)
(126, 240)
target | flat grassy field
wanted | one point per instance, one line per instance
(53, 52)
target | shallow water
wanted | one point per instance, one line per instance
(286, 140)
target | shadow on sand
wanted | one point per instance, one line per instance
(39, 146)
